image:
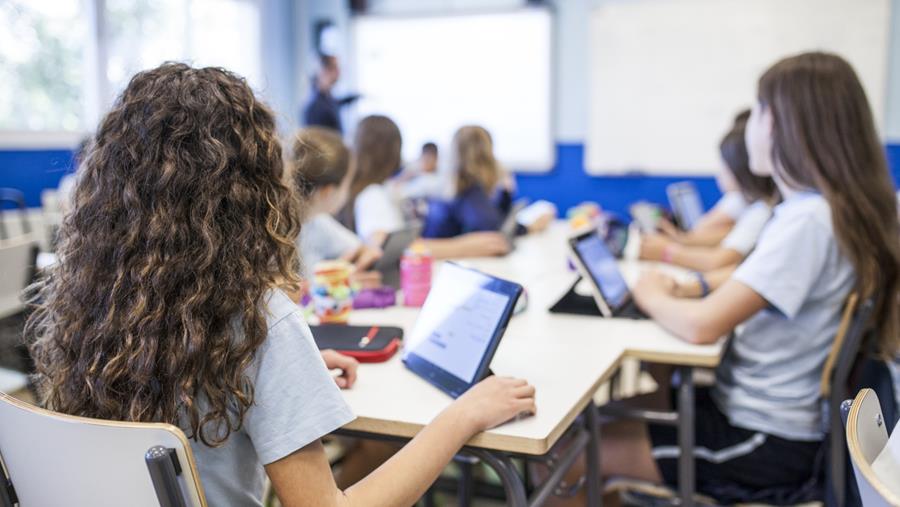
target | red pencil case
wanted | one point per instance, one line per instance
(368, 344)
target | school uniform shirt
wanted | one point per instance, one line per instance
(321, 238)
(769, 377)
(748, 227)
(471, 210)
(295, 403)
(732, 204)
(424, 186)
(376, 210)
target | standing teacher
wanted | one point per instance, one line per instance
(323, 109)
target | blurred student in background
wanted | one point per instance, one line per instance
(373, 212)
(699, 250)
(320, 170)
(483, 190)
(421, 179)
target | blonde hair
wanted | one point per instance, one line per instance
(319, 158)
(473, 151)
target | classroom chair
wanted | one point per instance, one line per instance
(48, 458)
(844, 355)
(12, 228)
(17, 256)
(876, 476)
(12, 382)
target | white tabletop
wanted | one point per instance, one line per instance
(566, 357)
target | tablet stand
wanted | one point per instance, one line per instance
(575, 303)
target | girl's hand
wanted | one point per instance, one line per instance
(363, 257)
(653, 284)
(495, 400)
(346, 364)
(653, 246)
(485, 244)
(541, 223)
(668, 229)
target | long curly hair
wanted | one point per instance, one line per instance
(181, 224)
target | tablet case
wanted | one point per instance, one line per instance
(367, 344)
(577, 304)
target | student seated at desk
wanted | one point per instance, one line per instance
(320, 171)
(734, 174)
(373, 211)
(483, 193)
(760, 425)
(421, 179)
(740, 239)
(167, 304)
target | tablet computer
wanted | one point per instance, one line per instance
(459, 328)
(392, 250)
(686, 204)
(510, 224)
(599, 267)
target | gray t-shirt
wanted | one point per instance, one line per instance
(321, 238)
(769, 378)
(295, 403)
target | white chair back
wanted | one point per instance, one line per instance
(55, 459)
(16, 258)
(866, 438)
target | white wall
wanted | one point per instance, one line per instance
(570, 57)
(892, 116)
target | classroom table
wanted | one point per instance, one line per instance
(566, 357)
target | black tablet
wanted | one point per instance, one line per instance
(459, 328)
(392, 250)
(599, 267)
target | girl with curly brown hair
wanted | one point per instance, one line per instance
(167, 303)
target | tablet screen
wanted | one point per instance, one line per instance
(603, 269)
(460, 321)
(686, 203)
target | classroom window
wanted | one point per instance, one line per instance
(63, 62)
(42, 64)
(144, 33)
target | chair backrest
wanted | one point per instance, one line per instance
(55, 459)
(866, 437)
(835, 376)
(17, 258)
(13, 226)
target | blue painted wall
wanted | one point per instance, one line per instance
(566, 185)
(31, 171)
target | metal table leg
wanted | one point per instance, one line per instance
(686, 466)
(593, 470)
(512, 483)
(466, 483)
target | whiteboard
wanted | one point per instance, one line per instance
(668, 76)
(435, 74)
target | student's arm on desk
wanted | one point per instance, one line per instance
(710, 235)
(699, 321)
(699, 258)
(304, 477)
(472, 244)
(691, 288)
